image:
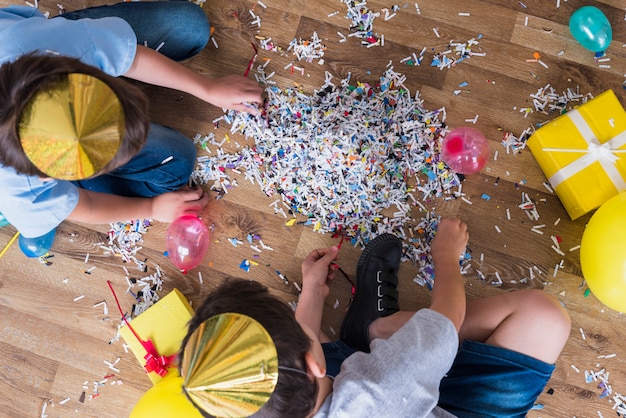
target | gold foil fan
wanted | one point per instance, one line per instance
(74, 129)
(230, 366)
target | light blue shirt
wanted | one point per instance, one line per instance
(108, 43)
(33, 206)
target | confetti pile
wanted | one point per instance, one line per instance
(548, 101)
(362, 19)
(147, 294)
(124, 240)
(308, 49)
(353, 159)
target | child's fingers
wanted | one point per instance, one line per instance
(331, 254)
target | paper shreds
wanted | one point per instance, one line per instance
(125, 239)
(547, 101)
(353, 159)
(362, 21)
(147, 294)
(601, 378)
(418, 250)
(308, 49)
(456, 52)
(514, 144)
(144, 291)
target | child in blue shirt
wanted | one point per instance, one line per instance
(117, 40)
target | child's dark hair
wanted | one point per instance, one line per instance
(295, 393)
(33, 73)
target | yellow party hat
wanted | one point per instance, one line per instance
(74, 129)
(229, 366)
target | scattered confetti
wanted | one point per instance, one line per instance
(340, 157)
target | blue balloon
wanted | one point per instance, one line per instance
(591, 28)
(36, 247)
(3, 221)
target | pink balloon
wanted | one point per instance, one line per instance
(187, 242)
(465, 150)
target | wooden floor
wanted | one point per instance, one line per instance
(55, 344)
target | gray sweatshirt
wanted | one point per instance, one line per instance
(400, 377)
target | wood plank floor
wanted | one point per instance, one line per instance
(54, 344)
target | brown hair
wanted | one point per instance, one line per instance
(31, 73)
(295, 393)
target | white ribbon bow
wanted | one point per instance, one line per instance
(604, 153)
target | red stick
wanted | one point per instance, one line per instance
(251, 63)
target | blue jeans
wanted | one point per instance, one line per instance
(484, 381)
(335, 353)
(183, 29)
(488, 381)
(150, 172)
(181, 26)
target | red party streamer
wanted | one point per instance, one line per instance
(154, 362)
(251, 61)
(336, 266)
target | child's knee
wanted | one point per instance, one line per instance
(551, 311)
(197, 28)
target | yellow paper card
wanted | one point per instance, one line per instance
(164, 323)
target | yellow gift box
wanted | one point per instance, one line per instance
(583, 153)
(164, 323)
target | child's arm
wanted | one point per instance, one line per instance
(448, 296)
(102, 208)
(230, 91)
(316, 271)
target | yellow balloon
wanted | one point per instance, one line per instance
(603, 253)
(165, 400)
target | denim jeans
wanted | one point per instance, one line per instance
(487, 381)
(335, 352)
(183, 30)
(151, 172)
(181, 26)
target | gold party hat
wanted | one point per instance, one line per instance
(229, 366)
(74, 129)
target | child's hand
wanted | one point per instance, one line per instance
(318, 269)
(450, 241)
(169, 206)
(234, 92)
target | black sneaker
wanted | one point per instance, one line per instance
(376, 292)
